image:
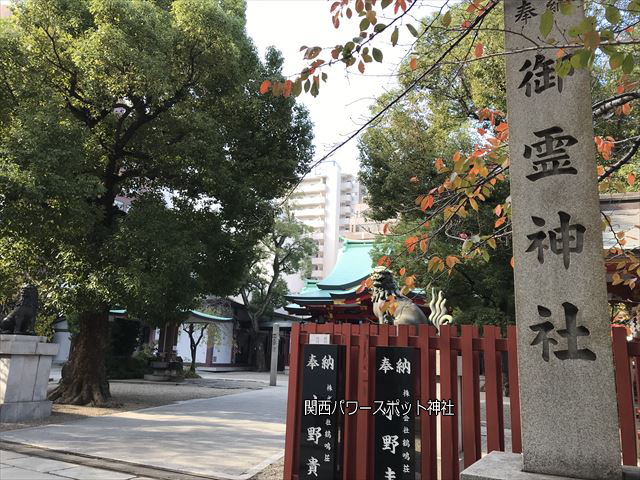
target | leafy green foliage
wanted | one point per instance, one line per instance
(148, 102)
(154, 102)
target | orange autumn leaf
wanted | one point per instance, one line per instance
(513, 263)
(631, 178)
(385, 229)
(410, 243)
(451, 261)
(439, 164)
(600, 170)
(626, 108)
(498, 210)
(479, 50)
(264, 87)
(402, 271)
(427, 202)
(413, 64)
(500, 221)
(382, 260)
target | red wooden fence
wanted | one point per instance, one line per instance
(360, 342)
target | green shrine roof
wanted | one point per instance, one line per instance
(353, 266)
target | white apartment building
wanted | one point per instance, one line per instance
(5, 8)
(325, 201)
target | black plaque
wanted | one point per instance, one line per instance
(394, 412)
(320, 431)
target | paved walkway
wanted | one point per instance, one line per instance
(230, 437)
(17, 466)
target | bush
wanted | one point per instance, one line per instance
(44, 326)
(123, 368)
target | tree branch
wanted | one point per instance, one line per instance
(624, 160)
(604, 106)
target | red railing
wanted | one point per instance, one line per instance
(357, 439)
(626, 356)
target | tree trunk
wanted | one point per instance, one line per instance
(194, 349)
(84, 377)
(258, 339)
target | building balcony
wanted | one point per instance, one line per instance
(346, 211)
(346, 186)
(307, 201)
(310, 213)
(315, 187)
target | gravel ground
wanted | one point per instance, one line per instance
(130, 395)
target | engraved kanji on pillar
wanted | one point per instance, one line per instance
(561, 304)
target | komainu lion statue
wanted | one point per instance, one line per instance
(406, 312)
(22, 318)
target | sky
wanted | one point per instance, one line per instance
(343, 103)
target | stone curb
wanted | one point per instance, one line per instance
(96, 462)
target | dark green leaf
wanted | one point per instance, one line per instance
(377, 55)
(566, 8)
(297, 87)
(612, 14)
(379, 27)
(627, 64)
(446, 19)
(394, 37)
(563, 68)
(546, 23)
(412, 29)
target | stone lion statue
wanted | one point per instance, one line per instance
(383, 286)
(22, 318)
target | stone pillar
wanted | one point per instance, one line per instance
(25, 365)
(567, 390)
(275, 342)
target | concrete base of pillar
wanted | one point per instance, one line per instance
(25, 365)
(508, 466)
(24, 411)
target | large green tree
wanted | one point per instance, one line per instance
(150, 101)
